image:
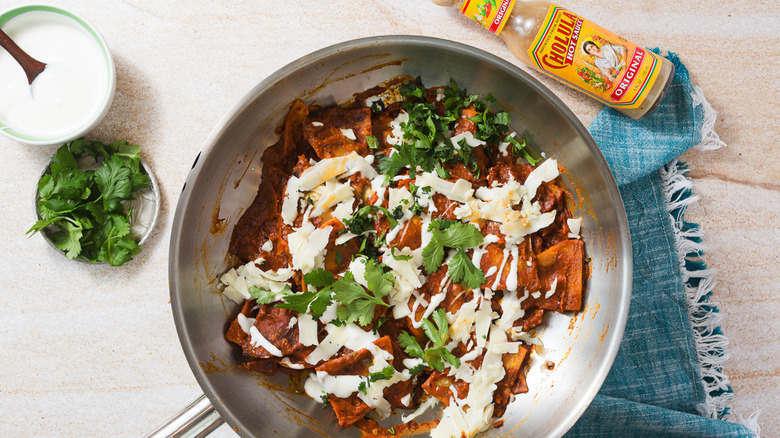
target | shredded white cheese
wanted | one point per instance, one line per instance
(350, 134)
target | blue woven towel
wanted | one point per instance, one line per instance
(666, 380)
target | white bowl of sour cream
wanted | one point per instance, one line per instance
(72, 95)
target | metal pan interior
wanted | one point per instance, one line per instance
(225, 177)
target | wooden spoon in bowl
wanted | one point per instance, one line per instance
(32, 67)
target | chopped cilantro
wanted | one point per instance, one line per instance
(519, 150)
(398, 256)
(413, 89)
(361, 221)
(377, 106)
(426, 144)
(441, 172)
(373, 143)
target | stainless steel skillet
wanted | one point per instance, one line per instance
(224, 180)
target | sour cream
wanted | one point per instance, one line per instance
(70, 93)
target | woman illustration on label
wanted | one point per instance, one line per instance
(609, 58)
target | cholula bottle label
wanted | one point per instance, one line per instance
(588, 57)
(491, 14)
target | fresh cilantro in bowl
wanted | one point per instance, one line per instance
(85, 201)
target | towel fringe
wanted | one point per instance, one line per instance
(709, 138)
(750, 422)
(710, 342)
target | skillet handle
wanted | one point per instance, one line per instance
(196, 420)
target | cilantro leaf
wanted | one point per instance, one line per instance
(448, 357)
(410, 344)
(266, 296)
(348, 290)
(405, 156)
(432, 332)
(398, 256)
(319, 278)
(417, 369)
(303, 302)
(314, 301)
(437, 332)
(113, 180)
(358, 304)
(413, 89)
(321, 302)
(378, 281)
(385, 373)
(442, 326)
(120, 250)
(462, 270)
(433, 255)
(390, 216)
(458, 235)
(361, 220)
(68, 239)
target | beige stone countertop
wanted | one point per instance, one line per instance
(93, 350)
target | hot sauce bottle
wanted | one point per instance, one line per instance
(575, 51)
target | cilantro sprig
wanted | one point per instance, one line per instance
(358, 304)
(86, 207)
(314, 301)
(457, 235)
(437, 332)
